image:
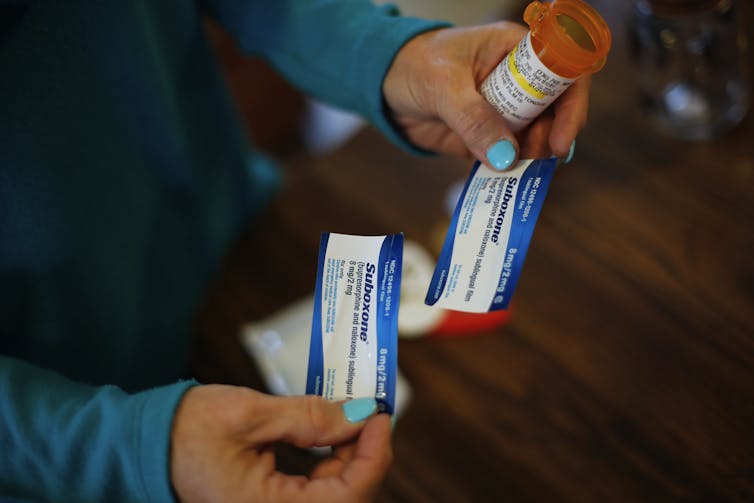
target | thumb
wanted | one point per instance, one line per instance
(309, 421)
(483, 130)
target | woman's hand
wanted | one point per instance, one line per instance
(432, 90)
(222, 447)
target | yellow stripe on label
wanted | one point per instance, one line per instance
(520, 80)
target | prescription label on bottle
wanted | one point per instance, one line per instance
(488, 237)
(354, 338)
(521, 86)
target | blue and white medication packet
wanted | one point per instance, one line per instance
(353, 351)
(489, 235)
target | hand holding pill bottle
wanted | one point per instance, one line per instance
(566, 39)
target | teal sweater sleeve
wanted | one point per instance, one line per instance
(129, 207)
(70, 442)
(336, 51)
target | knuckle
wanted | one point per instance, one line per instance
(470, 122)
(389, 456)
(315, 413)
(584, 120)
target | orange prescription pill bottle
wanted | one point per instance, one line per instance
(566, 39)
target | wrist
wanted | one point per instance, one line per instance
(399, 85)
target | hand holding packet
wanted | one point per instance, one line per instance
(489, 234)
(354, 339)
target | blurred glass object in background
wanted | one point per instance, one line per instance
(691, 68)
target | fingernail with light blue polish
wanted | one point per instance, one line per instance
(501, 155)
(570, 152)
(359, 409)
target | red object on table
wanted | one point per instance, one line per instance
(458, 323)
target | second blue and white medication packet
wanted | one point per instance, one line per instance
(489, 235)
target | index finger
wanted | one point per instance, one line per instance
(570, 110)
(351, 475)
(373, 454)
(370, 447)
(364, 467)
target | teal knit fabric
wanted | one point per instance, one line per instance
(124, 176)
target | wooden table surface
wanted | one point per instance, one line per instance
(627, 369)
